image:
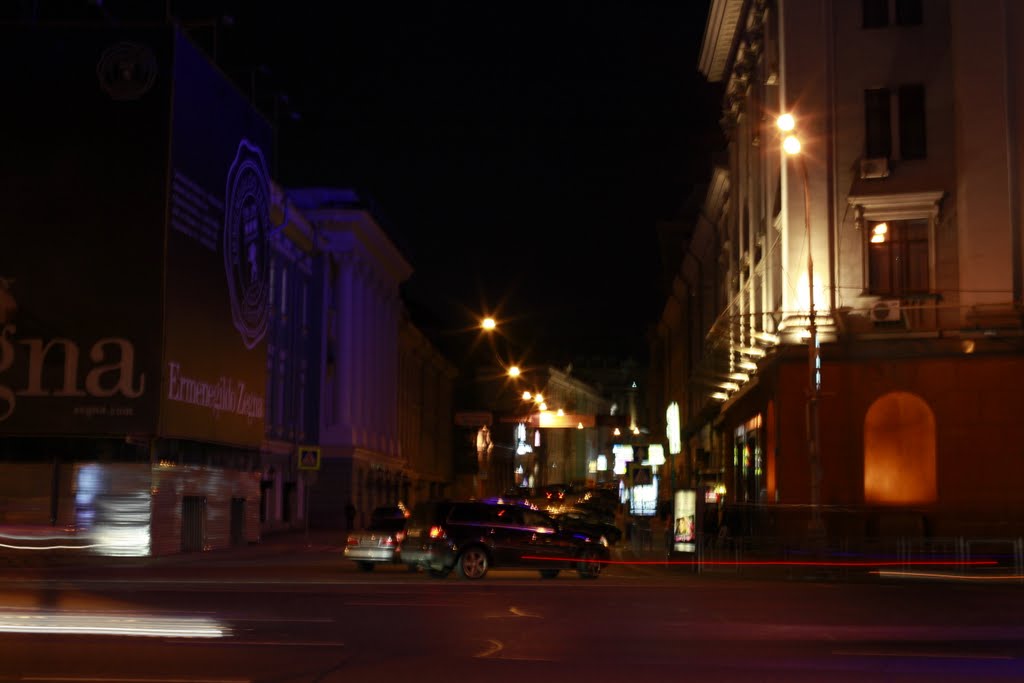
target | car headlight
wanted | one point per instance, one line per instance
(604, 541)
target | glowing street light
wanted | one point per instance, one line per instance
(514, 371)
(791, 145)
(488, 324)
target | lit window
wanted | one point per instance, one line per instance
(898, 257)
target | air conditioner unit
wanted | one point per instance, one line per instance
(874, 168)
(886, 310)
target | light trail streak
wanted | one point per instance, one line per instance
(111, 625)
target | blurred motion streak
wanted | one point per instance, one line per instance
(112, 625)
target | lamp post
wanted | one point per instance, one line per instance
(791, 145)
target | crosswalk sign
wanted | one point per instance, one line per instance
(309, 457)
(641, 475)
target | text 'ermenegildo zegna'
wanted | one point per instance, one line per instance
(224, 395)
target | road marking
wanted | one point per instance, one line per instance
(285, 643)
(520, 613)
(404, 604)
(496, 646)
(925, 655)
(108, 679)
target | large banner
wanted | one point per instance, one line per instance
(84, 168)
(215, 361)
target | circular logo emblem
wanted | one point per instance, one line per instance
(246, 222)
(126, 71)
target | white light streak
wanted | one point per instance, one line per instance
(111, 625)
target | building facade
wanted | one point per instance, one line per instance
(892, 240)
(425, 416)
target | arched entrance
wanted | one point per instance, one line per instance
(899, 451)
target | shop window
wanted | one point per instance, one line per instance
(899, 451)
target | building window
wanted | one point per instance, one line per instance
(898, 257)
(876, 13)
(877, 123)
(911, 127)
(284, 291)
(909, 13)
(912, 123)
(273, 268)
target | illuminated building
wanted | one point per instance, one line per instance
(912, 176)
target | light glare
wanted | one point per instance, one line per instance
(791, 144)
(786, 123)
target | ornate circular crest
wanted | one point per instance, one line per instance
(126, 70)
(246, 223)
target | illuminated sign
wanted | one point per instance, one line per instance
(552, 420)
(675, 444)
(623, 454)
(684, 530)
(643, 499)
(655, 454)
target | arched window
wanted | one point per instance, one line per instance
(899, 451)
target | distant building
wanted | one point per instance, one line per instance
(359, 440)
(913, 173)
(425, 416)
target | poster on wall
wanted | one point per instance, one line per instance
(217, 292)
(684, 527)
(84, 168)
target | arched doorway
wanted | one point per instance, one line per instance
(899, 451)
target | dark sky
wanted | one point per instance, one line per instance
(518, 154)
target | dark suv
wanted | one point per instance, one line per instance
(473, 536)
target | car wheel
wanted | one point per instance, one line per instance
(589, 565)
(548, 573)
(365, 566)
(472, 563)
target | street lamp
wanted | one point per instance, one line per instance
(791, 145)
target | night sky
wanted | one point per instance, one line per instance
(519, 154)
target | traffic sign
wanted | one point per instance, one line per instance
(309, 457)
(641, 475)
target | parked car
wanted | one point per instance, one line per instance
(378, 543)
(591, 522)
(473, 537)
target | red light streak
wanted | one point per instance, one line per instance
(781, 563)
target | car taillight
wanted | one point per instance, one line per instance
(436, 532)
(399, 536)
(352, 540)
(387, 540)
